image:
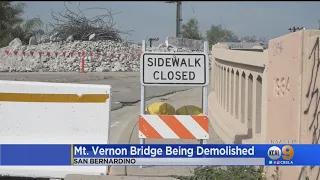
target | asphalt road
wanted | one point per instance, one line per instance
(125, 110)
(125, 85)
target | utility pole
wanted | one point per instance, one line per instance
(178, 17)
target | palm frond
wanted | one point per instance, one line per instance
(12, 24)
(32, 25)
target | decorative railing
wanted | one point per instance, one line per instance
(236, 100)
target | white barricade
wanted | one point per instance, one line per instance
(53, 113)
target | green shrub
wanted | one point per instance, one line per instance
(230, 173)
(12, 24)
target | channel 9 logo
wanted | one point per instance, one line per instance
(286, 153)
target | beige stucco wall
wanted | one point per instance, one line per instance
(309, 124)
(292, 115)
(290, 95)
(283, 93)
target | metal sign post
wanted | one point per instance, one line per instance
(142, 94)
(205, 91)
(174, 69)
(143, 91)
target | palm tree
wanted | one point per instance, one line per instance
(29, 28)
(190, 30)
(12, 25)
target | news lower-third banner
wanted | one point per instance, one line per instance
(158, 155)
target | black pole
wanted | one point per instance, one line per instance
(177, 19)
(178, 16)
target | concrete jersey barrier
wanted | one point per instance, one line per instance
(53, 113)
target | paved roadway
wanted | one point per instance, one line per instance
(125, 110)
(125, 85)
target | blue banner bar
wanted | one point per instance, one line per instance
(62, 155)
(35, 155)
(168, 151)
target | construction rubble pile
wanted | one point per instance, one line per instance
(63, 56)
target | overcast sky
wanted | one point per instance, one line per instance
(157, 19)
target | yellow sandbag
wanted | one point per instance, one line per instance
(161, 108)
(189, 110)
